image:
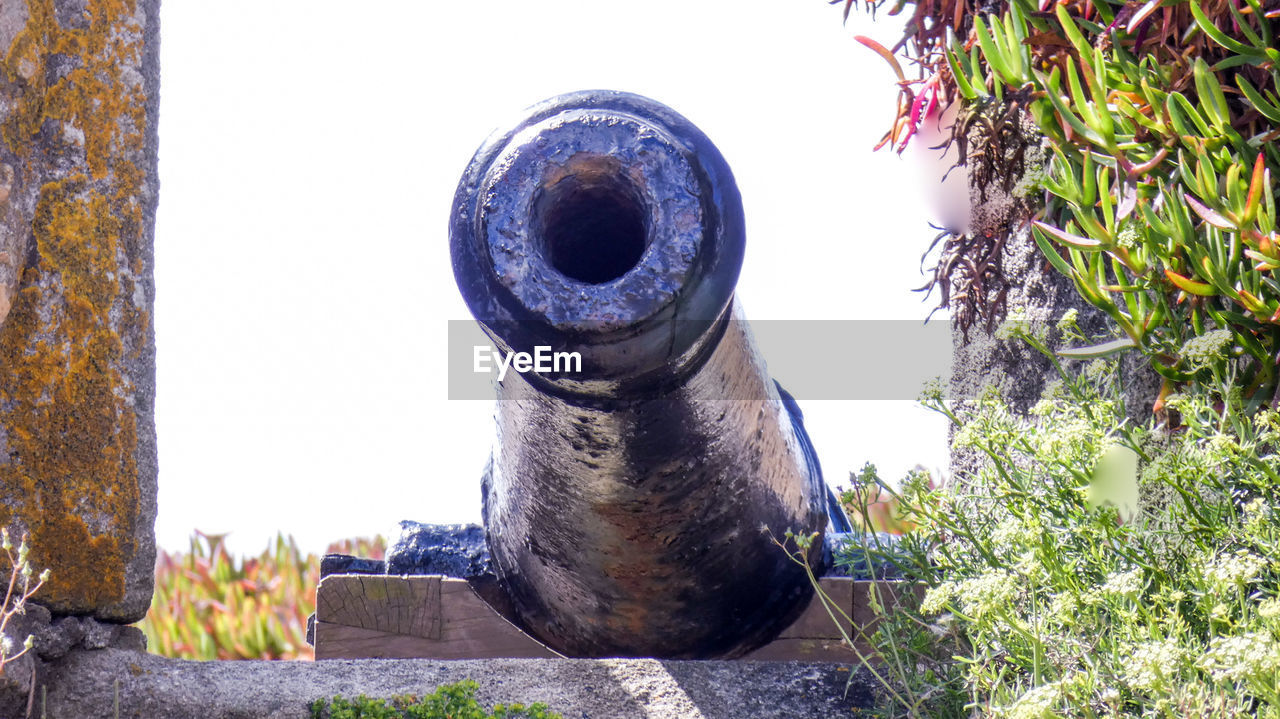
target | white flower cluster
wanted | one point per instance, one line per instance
(1240, 566)
(1045, 407)
(1123, 584)
(1014, 327)
(1068, 438)
(1252, 654)
(1220, 612)
(1035, 703)
(936, 598)
(1256, 508)
(1151, 663)
(934, 391)
(1097, 370)
(1009, 534)
(1220, 443)
(991, 590)
(993, 426)
(1257, 516)
(1205, 349)
(1030, 566)
(1269, 608)
(1267, 424)
(1128, 237)
(1064, 607)
(1109, 695)
(1069, 321)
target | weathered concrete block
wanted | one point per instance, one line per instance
(84, 685)
(78, 104)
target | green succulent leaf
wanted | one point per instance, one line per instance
(1208, 214)
(1051, 94)
(1099, 350)
(1190, 286)
(1212, 99)
(967, 90)
(1188, 112)
(1267, 109)
(1047, 250)
(1067, 238)
(992, 51)
(1072, 31)
(1208, 28)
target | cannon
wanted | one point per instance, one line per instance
(633, 497)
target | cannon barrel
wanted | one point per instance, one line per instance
(631, 501)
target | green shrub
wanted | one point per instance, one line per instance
(452, 701)
(1040, 602)
(1160, 190)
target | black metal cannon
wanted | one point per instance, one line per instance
(632, 499)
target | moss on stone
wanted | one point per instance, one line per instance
(65, 399)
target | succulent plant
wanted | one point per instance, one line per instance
(1159, 198)
(210, 604)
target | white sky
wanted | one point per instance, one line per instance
(309, 153)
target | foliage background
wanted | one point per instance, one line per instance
(209, 604)
(1160, 117)
(1043, 601)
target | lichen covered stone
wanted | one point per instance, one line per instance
(78, 101)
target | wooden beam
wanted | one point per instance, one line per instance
(394, 616)
(384, 603)
(363, 616)
(816, 621)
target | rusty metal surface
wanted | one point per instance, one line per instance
(630, 508)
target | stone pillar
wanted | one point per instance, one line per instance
(79, 97)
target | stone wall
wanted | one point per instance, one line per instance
(78, 105)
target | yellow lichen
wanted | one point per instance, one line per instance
(71, 474)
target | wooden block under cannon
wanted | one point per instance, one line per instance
(362, 616)
(433, 617)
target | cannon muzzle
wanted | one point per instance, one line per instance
(632, 498)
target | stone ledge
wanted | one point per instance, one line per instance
(82, 685)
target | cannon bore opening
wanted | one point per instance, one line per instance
(593, 226)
